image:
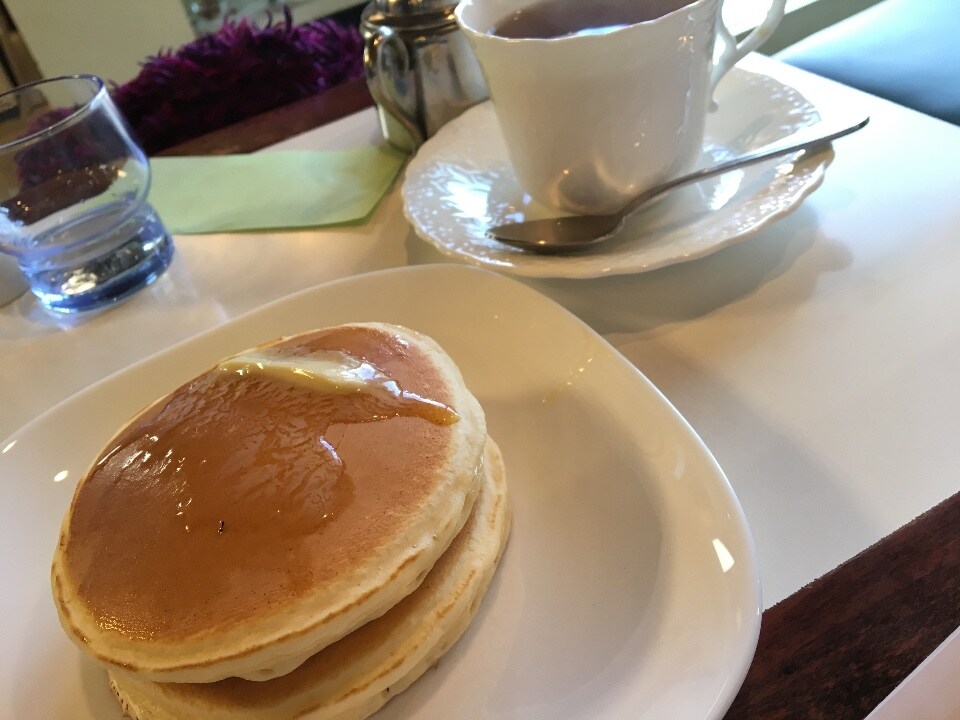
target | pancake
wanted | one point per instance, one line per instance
(270, 506)
(356, 676)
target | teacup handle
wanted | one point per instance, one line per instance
(733, 52)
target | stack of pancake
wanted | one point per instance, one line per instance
(301, 531)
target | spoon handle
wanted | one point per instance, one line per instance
(806, 138)
(572, 233)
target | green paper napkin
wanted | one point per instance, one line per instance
(282, 189)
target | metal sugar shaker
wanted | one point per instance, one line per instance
(420, 68)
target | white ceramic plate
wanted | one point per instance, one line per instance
(461, 182)
(629, 588)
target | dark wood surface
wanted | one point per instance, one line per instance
(276, 125)
(834, 649)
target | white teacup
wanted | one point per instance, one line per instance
(591, 120)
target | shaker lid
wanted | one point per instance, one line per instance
(413, 7)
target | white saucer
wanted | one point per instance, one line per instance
(461, 182)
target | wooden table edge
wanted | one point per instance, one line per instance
(280, 123)
(838, 646)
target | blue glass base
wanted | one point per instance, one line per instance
(107, 279)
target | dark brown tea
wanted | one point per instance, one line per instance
(560, 18)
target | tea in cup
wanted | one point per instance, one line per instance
(598, 101)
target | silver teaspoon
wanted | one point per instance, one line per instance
(570, 234)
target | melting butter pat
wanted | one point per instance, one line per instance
(334, 371)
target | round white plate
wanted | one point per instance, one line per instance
(461, 182)
(628, 590)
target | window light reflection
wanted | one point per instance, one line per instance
(724, 190)
(470, 198)
(723, 555)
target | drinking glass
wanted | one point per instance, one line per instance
(73, 196)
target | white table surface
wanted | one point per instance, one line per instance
(819, 360)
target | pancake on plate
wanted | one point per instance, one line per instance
(354, 677)
(270, 506)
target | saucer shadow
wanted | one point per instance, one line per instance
(646, 302)
(685, 291)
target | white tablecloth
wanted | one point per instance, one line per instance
(818, 360)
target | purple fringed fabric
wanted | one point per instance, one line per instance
(233, 74)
